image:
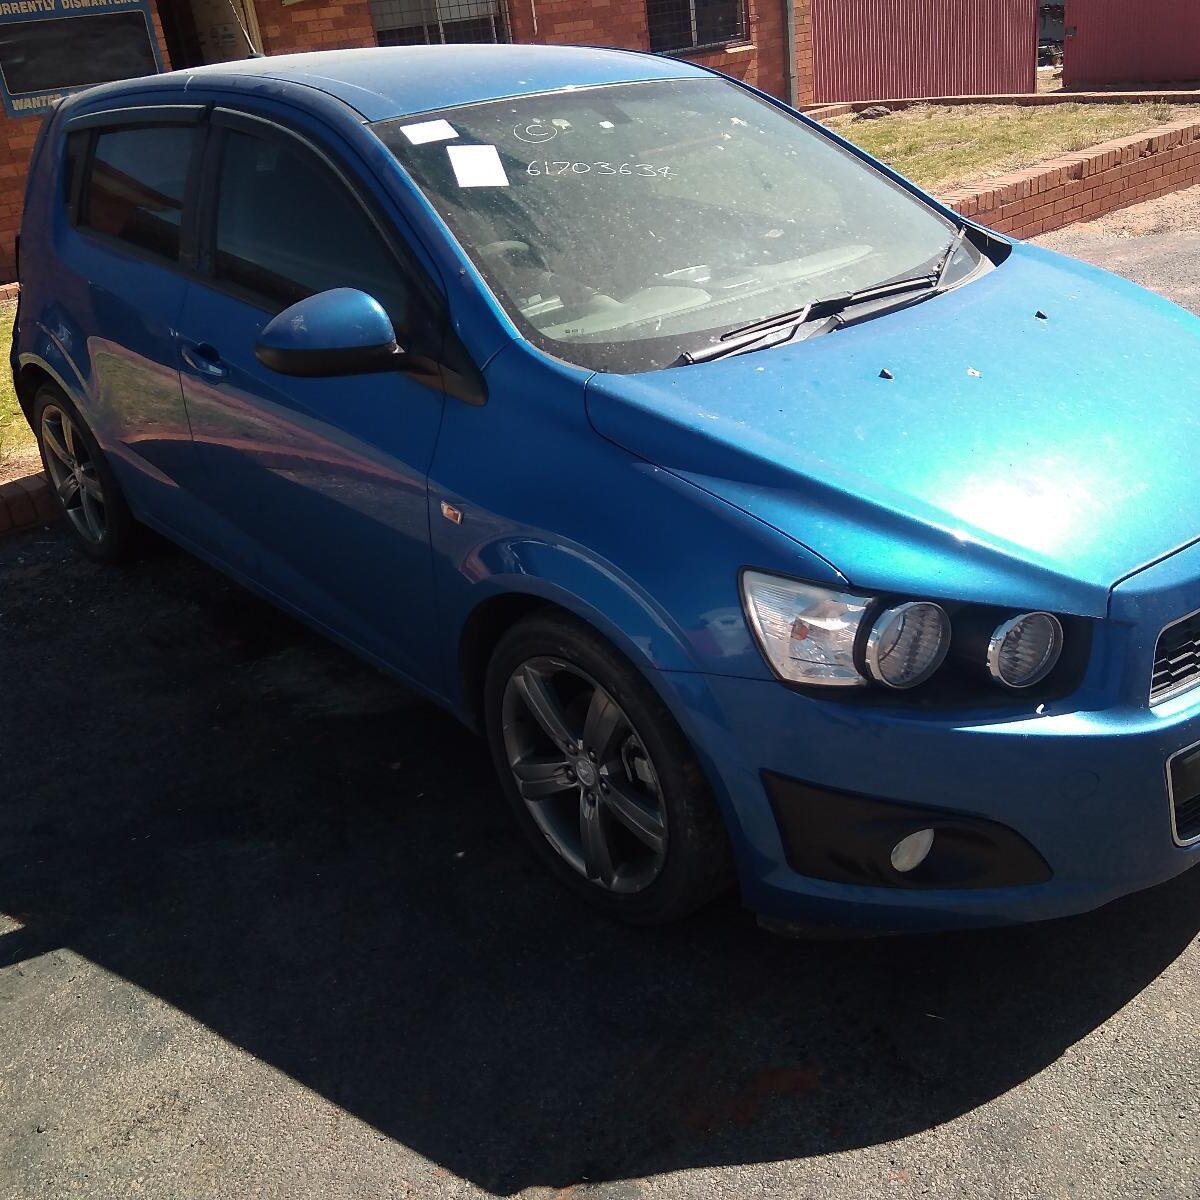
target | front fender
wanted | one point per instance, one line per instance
(596, 591)
(548, 508)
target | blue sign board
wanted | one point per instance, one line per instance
(51, 48)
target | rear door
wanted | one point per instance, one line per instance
(315, 487)
(122, 258)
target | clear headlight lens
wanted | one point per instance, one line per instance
(807, 633)
(1025, 650)
(907, 644)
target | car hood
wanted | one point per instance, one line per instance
(1030, 438)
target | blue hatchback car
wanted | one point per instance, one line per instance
(775, 524)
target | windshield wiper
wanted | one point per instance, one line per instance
(943, 267)
(760, 334)
(785, 327)
(774, 331)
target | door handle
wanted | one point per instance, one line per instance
(204, 360)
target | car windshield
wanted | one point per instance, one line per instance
(625, 224)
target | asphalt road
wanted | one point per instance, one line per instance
(265, 931)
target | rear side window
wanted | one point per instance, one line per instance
(288, 228)
(135, 186)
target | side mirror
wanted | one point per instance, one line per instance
(339, 332)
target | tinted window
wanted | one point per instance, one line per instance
(287, 228)
(136, 186)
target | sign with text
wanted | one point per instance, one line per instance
(51, 48)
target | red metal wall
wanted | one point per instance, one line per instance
(885, 49)
(1131, 41)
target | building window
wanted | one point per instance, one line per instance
(430, 22)
(691, 24)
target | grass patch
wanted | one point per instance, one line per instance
(943, 147)
(16, 438)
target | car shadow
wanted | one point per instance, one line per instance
(222, 808)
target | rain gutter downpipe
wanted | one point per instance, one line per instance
(789, 52)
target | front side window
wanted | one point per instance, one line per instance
(691, 24)
(135, 186)
(623, 225)
(287, 228)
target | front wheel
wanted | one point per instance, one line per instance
(599, 776)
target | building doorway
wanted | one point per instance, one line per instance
(198, 32)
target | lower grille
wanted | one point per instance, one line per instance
(1183, 776)
(1176, 659)
(1187, 820)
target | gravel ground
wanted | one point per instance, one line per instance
(266, 932)
(1156, 244)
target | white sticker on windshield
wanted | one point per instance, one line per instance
(477, 166)
(429, 131)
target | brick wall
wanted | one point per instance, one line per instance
(17, 135)
(1081, 186)
(623, 23)
(804, 52)
(310, 25)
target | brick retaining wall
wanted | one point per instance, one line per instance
(1078, 187)
(25, 502)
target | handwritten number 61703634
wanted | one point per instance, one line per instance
(562, 167)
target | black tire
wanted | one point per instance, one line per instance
(693, 864)
(117, 540)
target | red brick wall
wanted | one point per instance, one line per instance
(310, 25)
(17, 135)
(804, 52)
(598, 23)
(1088, 184)
(623, 23)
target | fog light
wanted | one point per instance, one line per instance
(1025, 650)
(910, 852)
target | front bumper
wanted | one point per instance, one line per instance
(1082, 780)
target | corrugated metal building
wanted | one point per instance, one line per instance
(1131, 41)
(878, 49)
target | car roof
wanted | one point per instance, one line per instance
(393, 81)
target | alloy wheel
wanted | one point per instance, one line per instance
(73, 474)
(584, 774)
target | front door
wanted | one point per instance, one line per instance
(316, 486)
